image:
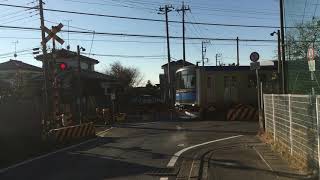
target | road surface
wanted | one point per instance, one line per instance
(138, 151)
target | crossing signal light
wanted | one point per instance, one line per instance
(62, 66)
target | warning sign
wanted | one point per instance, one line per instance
(311, 61)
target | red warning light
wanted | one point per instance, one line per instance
(63, 66)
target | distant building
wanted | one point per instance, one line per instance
(16, 73)
(96, 87)
(71, 59)
(163, 78)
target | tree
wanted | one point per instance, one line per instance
(149, 84)
(127, 76)
(300, 38)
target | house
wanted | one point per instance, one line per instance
(9, 70)
(94, 88)
(71, 58)
(163, 78)
(15, 74)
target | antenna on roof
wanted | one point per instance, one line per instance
(15, 49)
(68, 21)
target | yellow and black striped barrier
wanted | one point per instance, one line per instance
(243, 112)
(67, 134)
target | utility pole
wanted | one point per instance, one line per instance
(279, 62)
(204, 50)
(217, 56)
(184, 8)
(55, 91)
(164, 10)
(45, 66)
(238, 58)
(79, 85)
(284, 89)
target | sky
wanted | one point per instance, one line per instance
(244, 12)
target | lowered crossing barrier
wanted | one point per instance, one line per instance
(243, 112)
(70, 133)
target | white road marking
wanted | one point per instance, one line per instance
(146, 123)
(164, 178)
(179, 128)
(261, 157)
(98, 134)
(180, 145)
(191, 169)
(48, 154)
(174, 158)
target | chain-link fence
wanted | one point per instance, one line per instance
(302, 33)
(293, 122)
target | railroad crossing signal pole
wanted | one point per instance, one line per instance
(79, 82)
(48, 103)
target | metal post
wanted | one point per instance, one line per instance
(259, 104)
(55, 92)
(273, 120)
(261, 96)
(290, 123)
(79, 85)
(318, 133)
(265, 114)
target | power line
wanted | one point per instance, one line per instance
(139, 35)
(142, 19)
(127, 56)
(133, 41)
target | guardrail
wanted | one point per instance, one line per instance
(293, 122)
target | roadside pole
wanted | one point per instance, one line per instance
(45, 66)
(255, 65)
(79, 85)
(165, 10)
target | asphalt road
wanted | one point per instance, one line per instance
(131, 151)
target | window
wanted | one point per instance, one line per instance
(230, 81)
(186, 79)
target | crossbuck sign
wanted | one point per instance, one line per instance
(52, 34)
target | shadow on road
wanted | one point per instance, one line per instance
(190, 130)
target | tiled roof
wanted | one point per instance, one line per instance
(179, 62)
(15, 65)
(64, 53)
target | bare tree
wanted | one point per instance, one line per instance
(300, 38)
(127, 76)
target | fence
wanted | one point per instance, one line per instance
(293, 122)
